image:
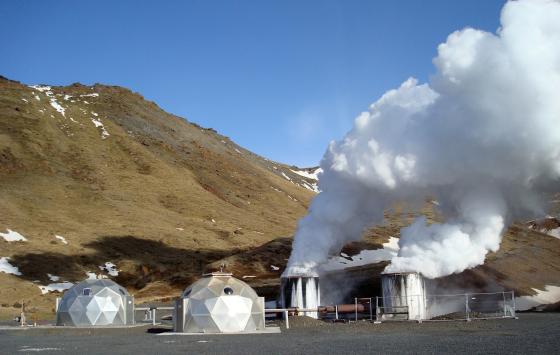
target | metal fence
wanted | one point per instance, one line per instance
(153, 315)
(467, 306)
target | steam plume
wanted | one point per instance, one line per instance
(483, 137)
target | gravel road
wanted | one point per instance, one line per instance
(531, 333)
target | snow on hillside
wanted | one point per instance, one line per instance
(52, 99)
(8, 268)
(13, 236)
(61, 238)
(110, 268)
(550, 294)
(548, 225)
(314, 174)
(55, 287)
(365, 257)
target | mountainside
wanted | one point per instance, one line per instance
(95, 180)
(97, 174)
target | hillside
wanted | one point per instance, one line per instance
(119, 180)
(98, 180)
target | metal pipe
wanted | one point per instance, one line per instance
(342, 308)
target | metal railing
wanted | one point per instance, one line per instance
(467, 306)
(152, 314)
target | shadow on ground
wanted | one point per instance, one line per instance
(141, 261)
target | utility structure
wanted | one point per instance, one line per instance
(219, 303)
(95, 302)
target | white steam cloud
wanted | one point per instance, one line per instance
(483, 137)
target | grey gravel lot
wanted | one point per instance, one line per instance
(536, 333)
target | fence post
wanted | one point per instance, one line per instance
(505, 308)
(286, 318)
(513, 301)
(370, 310)
(356, 308)
(154, 316)
(336, 311)
(467, 307)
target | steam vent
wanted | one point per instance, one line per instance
(93, 303)
(219, 303)
(404, 292)
(301, 292)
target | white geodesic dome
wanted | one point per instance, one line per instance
(95, 303)
(219, 303)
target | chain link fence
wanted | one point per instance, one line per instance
(467, 306)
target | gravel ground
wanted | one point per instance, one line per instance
(531, 333)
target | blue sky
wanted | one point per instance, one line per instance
(281, 78)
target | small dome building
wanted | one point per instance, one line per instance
(93, 303)
(219, 303)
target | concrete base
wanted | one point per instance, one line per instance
(268, 330)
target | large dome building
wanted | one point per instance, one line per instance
(219, 303)
(93, 303)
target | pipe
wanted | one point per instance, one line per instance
(343, 308)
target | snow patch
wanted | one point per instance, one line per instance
(550, 294)
(25, 100)
(13, 236)
(110, 268)
(285, 176)
(275, 268)
(56, 287)
(8, 268)
(99, 124)
(314, 175)
(53, 277)
(93, 276)
(365, 257)
(90, 95)
(312, 187)
(52, 98)
(61, 238)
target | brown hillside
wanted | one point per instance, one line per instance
(165, 200)
(125, 182)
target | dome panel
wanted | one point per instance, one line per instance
(225, 304)
(95, 302)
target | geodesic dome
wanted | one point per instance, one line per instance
(219, 303)
(95, 303)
